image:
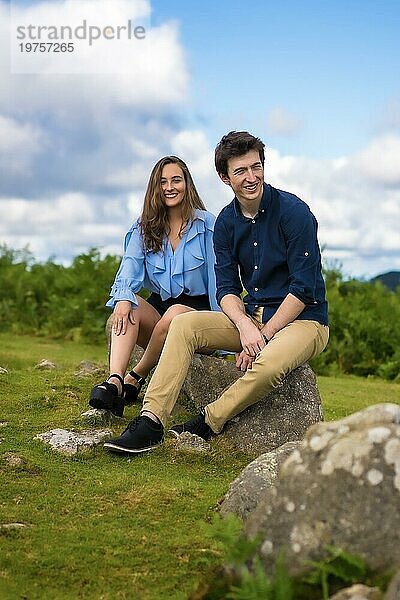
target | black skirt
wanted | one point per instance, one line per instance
(196, 302)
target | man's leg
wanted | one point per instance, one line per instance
(188, 332)
(292, 346)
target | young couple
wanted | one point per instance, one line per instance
(196, 267)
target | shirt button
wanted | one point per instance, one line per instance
(256, 267)
(256, 289)
(254, 243)
(305, 253)
(253, 221)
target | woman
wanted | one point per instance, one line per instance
(168, 251)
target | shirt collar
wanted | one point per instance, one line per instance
(265, 202)
(199, 214)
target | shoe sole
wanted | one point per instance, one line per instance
(123, 450)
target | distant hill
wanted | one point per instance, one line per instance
(390, 279)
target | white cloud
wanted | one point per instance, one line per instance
(20, 142)
(76, 153)
(132, 176)
(282, 122)
(380, 160)
(62, 226)
(135, 203)
(95, 132)
(358, 224)
(390, 118)
(149, 73)
(358, 212)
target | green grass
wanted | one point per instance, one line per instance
(344, 395)
(101, 526)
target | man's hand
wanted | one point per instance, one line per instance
(123, 314)
(243, 361)
(251, 338)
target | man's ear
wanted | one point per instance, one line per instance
(225, 179)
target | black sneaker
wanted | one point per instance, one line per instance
(195, 425)
(141, 435)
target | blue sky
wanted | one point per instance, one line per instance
(332, 64)
(319, 82)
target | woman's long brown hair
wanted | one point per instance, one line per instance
(154, 220)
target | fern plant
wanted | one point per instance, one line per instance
(339, 565)
(240, 552)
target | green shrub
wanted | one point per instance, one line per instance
(69, 302)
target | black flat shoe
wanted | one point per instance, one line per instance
(131, 392)
(141, 435)
(196, 425)
(104, 396)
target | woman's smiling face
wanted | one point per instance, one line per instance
(173, 185)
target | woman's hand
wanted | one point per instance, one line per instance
(123, 314)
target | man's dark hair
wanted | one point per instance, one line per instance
(236, 143)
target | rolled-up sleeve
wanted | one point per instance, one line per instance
(226, 267)
(303, 255)
(131, 273)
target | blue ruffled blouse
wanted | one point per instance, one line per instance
(188, 270)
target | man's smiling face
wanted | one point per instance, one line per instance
(246, 178)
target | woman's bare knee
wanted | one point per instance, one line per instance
(164, 323)
(174, 311)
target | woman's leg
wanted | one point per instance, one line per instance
(146, 318)
(156, 342)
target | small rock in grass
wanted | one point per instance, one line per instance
(98, 416)
(190, 442)
(87, 367)
(45, 364)
(70, 442)
(12, 526)
(358, 592)
(13, 460)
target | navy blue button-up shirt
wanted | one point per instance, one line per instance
(271, 255)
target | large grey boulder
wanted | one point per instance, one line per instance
(255, 481)
(284, 415)
(393, 591)
(341, 487)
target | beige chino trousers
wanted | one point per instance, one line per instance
(292, 346)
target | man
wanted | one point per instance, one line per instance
(265, 241)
